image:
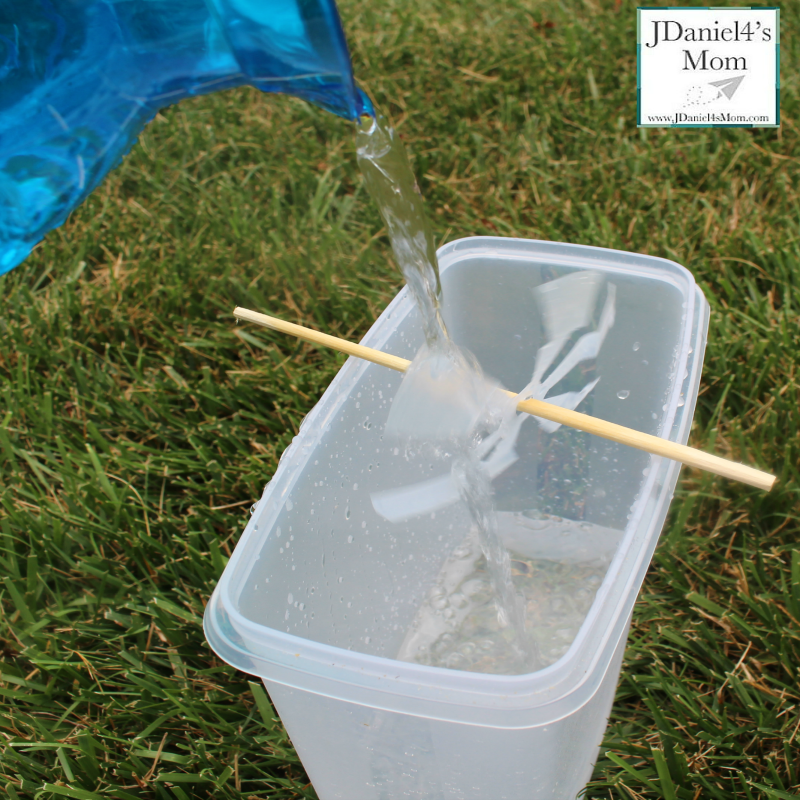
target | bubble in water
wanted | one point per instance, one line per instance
(473, 587)
(456, 661)
(623, 394)
(636, 346)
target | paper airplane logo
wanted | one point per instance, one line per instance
(728, 86)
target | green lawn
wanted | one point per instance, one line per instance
(138, 423)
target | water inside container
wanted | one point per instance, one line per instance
(556, 565)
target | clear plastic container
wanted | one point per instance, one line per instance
(321, 590)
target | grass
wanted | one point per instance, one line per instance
(137, 423)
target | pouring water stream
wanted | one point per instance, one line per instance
(442, 365)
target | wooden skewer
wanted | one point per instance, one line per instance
(539, 408)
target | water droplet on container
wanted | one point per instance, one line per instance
(340, 579)
(623, 394)
(636, 346)
(517, 337)
(681, 401)
(347, 513)
(289, 505)
(349, 540)
(290, 599)
(253, 508)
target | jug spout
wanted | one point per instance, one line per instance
(295, 47)
(79, 79)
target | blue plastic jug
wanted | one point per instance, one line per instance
(79, 79)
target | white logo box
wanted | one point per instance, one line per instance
(708, 67)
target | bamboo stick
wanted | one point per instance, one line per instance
(540, 408)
